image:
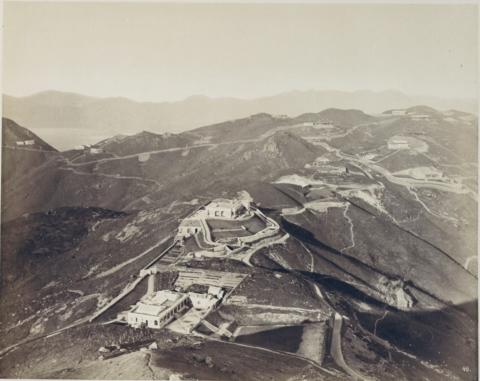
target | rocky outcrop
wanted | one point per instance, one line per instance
(395, 294)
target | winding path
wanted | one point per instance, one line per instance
(111, 176)
(27, 340)
(350, 223)
(378, 321)
(336, 349)
(311, 267)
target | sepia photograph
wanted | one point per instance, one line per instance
(239, 191)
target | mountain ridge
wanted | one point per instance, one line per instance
(66, 116)
(13, 133)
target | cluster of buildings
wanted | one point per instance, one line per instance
(30, 142)
(420, 116)
(89, 148)
(157, 309)
(318, 124)
(398, 143)
(319, 162)
(194, 294)
(220, 208)
(413, 115)
(225, 208)
(422, 173)
(161, 308)
(189, 227)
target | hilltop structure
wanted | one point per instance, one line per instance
(225, 208)
(195, 293)
(220, 208)
(189, 226)
(157, 310)
(398, 143)
(30, 142)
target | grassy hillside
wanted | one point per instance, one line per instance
(393, 253)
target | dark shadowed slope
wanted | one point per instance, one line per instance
(21, 161)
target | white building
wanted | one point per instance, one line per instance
(25, 142)
(420, 116)
(397, 143)
(224, 208)
(155, 311)
(188, 227)
(398, 112)
(422, 173)
(203, 301)
(320, 125)
(319, 161)
(82, 147)
(96, 150)
(216, 291)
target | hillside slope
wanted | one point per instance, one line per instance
(378, 227)
(144, 141)
(13, 133)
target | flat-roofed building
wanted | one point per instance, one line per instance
(155, 311)
(224, 208)
(420, 116)
(188, 227)
(398, 143)
(202, 301)
(188, 276)
(25, 142)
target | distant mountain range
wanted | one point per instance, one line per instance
(68, 119)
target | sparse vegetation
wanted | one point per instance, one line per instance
(392, 259)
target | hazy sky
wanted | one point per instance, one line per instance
(157, 52)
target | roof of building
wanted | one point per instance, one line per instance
(189, 276)
(214, 290)
(156, 304)
(166, 297)
(199, 295)
(224, 203)
(149, 309)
